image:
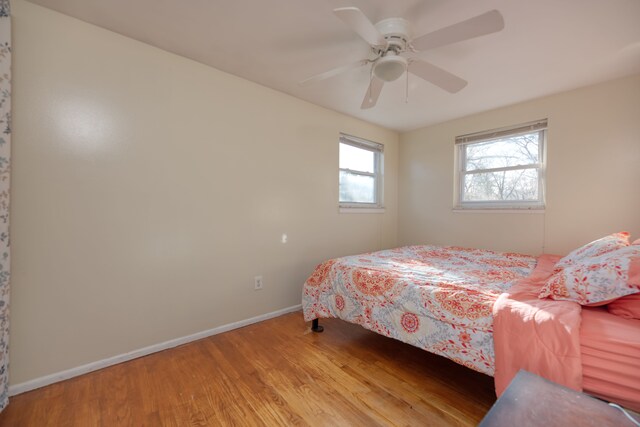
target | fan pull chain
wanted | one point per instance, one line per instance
(406, 99)
(370, 81)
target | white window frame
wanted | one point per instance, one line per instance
(481, 137)
(378, 173)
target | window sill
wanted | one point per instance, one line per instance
(500, 210)
(357, 210)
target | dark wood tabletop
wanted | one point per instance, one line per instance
(532, 401)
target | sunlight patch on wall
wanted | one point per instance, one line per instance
(87, 126)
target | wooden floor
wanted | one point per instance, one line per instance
(275, 372)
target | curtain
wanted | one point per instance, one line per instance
(5, 167)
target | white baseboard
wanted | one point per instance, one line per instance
(94, 366)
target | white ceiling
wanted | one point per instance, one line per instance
(547, 46)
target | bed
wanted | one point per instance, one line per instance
(441, 299)
(610, 353)
(435, 298)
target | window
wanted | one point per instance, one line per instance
(360, 173)
(502, 168)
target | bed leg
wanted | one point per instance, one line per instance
(315, 326)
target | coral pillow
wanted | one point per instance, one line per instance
(596, 279)
(597, 247)
(627, 307)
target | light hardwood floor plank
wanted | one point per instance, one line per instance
(275, 372)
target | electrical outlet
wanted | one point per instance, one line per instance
(257, 282)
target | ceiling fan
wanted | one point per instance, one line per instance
(391, 43)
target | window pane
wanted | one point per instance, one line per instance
(514, 185)
(356, 159)
(357, 188)
(512, 151)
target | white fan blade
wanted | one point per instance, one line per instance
(358, 22)
(333, 72)
(486, 23)
(373, 92)
(436, 75)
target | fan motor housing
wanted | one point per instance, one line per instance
(396, 32)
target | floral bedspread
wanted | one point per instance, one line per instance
(436, 298)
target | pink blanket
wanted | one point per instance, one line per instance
(539, 335)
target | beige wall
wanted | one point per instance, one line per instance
(593, 174)
(148, 190)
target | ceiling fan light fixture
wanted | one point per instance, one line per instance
(392, 42)
(390, 67)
